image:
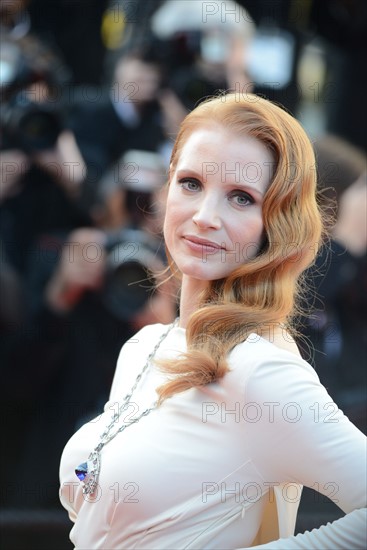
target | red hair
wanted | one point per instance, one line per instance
(264, 289)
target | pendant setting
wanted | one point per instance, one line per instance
(88, 473)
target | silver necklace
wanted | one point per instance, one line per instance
(88, 472)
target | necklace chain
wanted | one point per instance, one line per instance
(88, 472)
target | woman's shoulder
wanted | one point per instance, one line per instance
(273, 348)
(271, 369)
(281, 338)
(142, 341)
(134, 354)
(148, 331)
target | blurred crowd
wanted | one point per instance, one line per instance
(83, 173)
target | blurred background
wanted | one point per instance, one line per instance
(93, 92)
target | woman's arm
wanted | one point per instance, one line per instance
(304, 438)
(347, 533)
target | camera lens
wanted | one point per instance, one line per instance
(38, 129)
(127, 289)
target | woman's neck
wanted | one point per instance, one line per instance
(191, 292)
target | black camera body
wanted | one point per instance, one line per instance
(133, 259)
(30, 126)
(31, 79)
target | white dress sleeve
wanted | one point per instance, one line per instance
(302, 437)
(347, 533)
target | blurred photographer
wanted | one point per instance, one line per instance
(136, 110)
(91, 290)
(208, 43)
(123, 250)
(42, 169)
(336, 326)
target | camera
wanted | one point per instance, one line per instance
(29, 120)
(133, 260)
(30, 126)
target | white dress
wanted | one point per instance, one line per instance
(203, 470)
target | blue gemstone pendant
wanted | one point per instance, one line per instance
(82, 471)
(88, 473)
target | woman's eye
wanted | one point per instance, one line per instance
(241, 198)
(189, 184)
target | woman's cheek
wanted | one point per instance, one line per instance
(168, 226)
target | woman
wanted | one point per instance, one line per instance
(216, 420)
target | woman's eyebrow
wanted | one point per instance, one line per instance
(189, 172)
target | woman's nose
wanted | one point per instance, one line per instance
(207, 214)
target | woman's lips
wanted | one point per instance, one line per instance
(201, 245)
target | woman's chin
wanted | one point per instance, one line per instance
(201, 273)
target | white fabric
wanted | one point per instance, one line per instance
(204, 469)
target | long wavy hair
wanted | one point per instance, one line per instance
(262, 292)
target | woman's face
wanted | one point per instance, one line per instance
(213, 220)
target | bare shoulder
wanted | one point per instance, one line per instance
(281, 338)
